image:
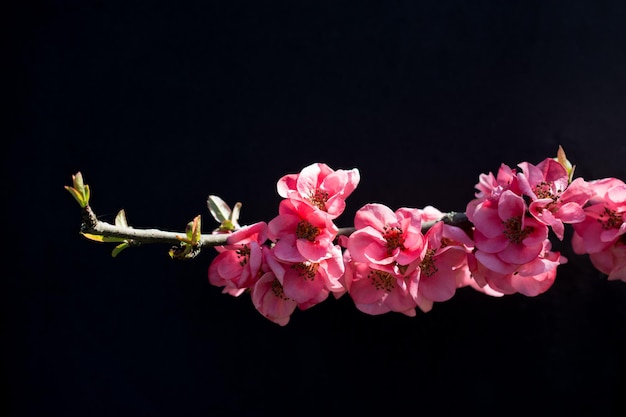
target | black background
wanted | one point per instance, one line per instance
(160, 104)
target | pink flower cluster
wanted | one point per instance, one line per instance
(292, 261)
(512, 214)
(392, 266)
(602, 233)
(398, 261)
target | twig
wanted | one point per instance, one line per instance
(91, 225)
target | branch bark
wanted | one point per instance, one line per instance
(91, 225)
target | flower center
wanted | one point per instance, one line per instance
(610, 219)
(318, 198)
(513, 230)
(306, 270)
(306, 230)
(427, 265)
(382, 280)
(544, 190)
(243, 254)
(394, 238)
(445, 241)
(277, 289)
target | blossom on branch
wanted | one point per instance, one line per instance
(321, 187)
(505, 236)
(301, 232)
(307, 282)
(530, 279)
(237, 266)
(443, 268)
(378, 289)
(402, 260)
(602, 234)
(383, 236)
(379, 275)
(554, 201)
(458, 238)
(270, 300)
(512, 215)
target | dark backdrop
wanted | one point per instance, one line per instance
(159, 104)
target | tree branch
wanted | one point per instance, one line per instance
(91, 225)
(191, 240)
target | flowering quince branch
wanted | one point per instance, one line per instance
(396, 260)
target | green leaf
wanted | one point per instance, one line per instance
(87, 194)
(99, 238)
(227, 226)
(79, 190)
(189, 231)
(77, 179)
(234, 216)
(120, 219)
(561, 158)
(196, 233)
(77, 196)
(218, 208)
(192, 232)
(119, 248)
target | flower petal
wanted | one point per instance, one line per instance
(375, 215)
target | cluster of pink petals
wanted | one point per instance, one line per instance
(301, 232)
(392, 266)
(602, 233)
(292, 261)
(381, 270)
(383, 237)
(553, 200)
(238, 264)
(321, 187)
(388, 264)
(512, 214)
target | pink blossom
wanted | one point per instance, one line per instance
(530, 279)
(537, 277)
(504, 235)
(490, 186)
(455, 236)
(301, 232)
(468, 280)
(553, 200)
(270, 300)
(320, 187)
(309, 283)
(381, 289)
(238, 265)
(443, 266)
(611, 261)
(488, 278)
(605, 213)
(383, 237)
(430, 214)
